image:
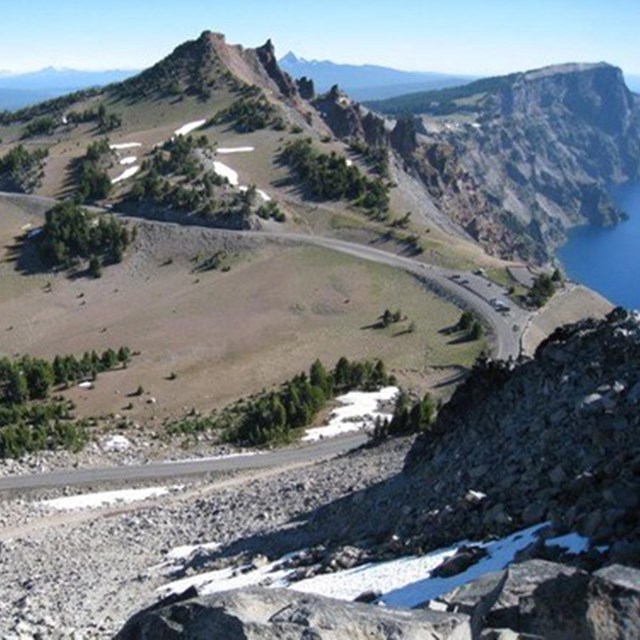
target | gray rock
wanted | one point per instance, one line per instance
(614, 603)
(273, 614)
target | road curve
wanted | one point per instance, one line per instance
(474, 294)
(327, 448)
(471, 292)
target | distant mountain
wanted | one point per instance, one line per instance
(20, 90)
(366, 82)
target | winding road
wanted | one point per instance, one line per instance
(467, 290)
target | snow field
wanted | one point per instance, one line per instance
(360, 410)
(405, 583)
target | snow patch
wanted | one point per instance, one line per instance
(184, 551)
(128, 160)
(226, 172)
(349, 163)
(265, 196)
(235, 149)
(105, 498)
(360, 410)
(127, 173)
(231, 578)
(571, 542)
(125, 145)
(116, 443)
(189, 127)
(405, 582)
(86, 384)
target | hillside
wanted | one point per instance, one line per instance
(242, 112)
(516, 510)
(537, 151)
(540, 459)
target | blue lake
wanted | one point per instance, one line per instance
(608, 259)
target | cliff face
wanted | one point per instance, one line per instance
(538, 150)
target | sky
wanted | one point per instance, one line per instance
(475, 37)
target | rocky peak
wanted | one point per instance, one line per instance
(267, 56)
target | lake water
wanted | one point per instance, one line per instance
(608, 259)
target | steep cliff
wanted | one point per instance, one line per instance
(536, 150)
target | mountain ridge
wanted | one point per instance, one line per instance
(365, 81)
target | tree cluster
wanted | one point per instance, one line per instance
(470, 325)
(376, 157)
(274, 416)
(71, 233)
(542, 290)
(442, 101)
(29, 419)
(407, 417)
(105, 121)
(247, 114)
(52, 108)
(329, 177)
(21, 170)
(92, 178)
(41, 126)
(270, 210)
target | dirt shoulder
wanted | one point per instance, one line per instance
(574, 303)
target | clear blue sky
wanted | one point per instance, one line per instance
(478, 37)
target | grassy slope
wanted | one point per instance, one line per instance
(223, 334)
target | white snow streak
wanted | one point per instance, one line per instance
(105, 498)
(127, 173)
(360, 410)
(184, 551)
(125, 145)
(128, 160)
(189, 127)
(226, 172)
(235, 149)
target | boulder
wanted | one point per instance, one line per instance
(614, 603)
(275, 614)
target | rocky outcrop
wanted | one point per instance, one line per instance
(271, 614)
(267, 56)
(306, 88)
(349, 121)
(540, 156)
(551, 439)
(532, 599)
(540, 599)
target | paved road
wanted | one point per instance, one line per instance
(162, 470)
(469, 290)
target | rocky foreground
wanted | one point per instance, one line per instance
(550, 445)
